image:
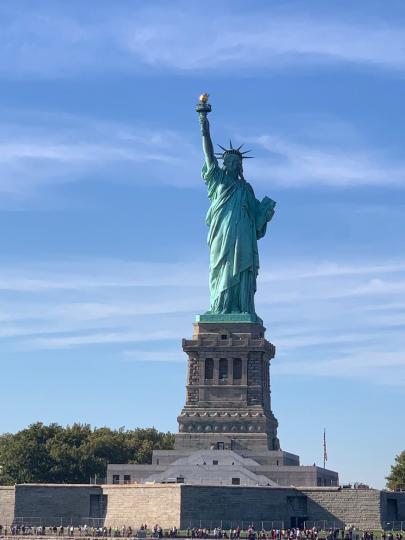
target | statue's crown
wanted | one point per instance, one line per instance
(232, 150)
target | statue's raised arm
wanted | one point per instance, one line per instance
(203, 108)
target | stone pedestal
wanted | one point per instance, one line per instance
(228, 389)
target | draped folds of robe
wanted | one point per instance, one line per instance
(236, 220)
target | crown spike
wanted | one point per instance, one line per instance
(232, 150)
(247, 157)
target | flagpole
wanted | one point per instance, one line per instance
(325, 455)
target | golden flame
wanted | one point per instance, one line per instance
(204, 98)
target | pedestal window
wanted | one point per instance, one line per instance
(237, 370)
(223, 369)
(209, 369)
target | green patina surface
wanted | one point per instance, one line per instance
(229, 317)
(236, 221)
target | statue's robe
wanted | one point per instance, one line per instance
(236, 220)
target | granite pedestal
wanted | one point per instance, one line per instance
(228, 389)
(227, 410)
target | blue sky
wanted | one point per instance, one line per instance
(103, 242)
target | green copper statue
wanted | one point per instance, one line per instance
(236, 220)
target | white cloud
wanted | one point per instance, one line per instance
(308, 339)
(45, 151)
(261, 41)
(155, 356)
(329, 269)
(61, 43)
(51, 149)
(378, 366)
(294, 164)
(67, 342)
(327, 318)
(79, 275)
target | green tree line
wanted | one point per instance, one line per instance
(73, 454)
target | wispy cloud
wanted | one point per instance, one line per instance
(43, 151)
(308, 339)
(55, 42)
(261, 40)
(375, 365)
(154, 356)
(330, 269)
(54, 149)
(332, 319)
(79, 275)
(99, 338)
(296, 164)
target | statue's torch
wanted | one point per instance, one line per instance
(203, 106)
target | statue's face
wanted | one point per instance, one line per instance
(232, 163)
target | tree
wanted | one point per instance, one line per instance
(73, 454)
(24, 457)
(396, 480)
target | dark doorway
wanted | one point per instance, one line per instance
(392, 510)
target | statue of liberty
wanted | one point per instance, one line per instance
(236, 221)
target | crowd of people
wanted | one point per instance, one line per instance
(251, 533)
(216, 533)
(69, 531)
(385, 536)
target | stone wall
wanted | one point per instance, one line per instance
(50, 504)
(7, 500)
(186, 505)
(365, 509)
(136, 504)
(362, 508)
(234, 505)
